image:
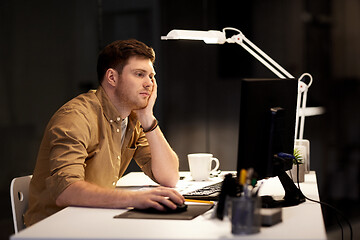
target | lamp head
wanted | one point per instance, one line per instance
(209, 37)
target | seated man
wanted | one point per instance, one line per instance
(90, 141)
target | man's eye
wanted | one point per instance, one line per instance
(139, 74)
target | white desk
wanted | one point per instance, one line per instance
(300, 222)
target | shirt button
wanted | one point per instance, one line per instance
(114, 183)
(118, 157)
(111, 121)
(118, 119)
(117, 130)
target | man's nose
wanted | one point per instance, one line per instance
(149, 82)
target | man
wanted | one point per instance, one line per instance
(90, 141)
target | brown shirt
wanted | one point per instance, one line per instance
(82, 141)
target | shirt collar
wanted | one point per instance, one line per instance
(110, 112)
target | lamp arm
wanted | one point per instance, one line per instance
(271, 68)
(286, 73)
(302, 90)
(297, 112)
(302, 117)
(260, 56)
(258, 53)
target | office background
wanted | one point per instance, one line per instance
(48, 52)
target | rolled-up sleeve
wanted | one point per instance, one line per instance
(67, 151)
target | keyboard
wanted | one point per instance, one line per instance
(210, 193)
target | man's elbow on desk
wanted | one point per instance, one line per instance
(168, 180)
(61, 200)
(166, 173)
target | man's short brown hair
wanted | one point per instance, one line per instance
(116, 55)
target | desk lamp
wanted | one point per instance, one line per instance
(219, 37)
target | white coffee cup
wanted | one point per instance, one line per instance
(200, 165)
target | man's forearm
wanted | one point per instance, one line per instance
(86, 194)
(165, 163)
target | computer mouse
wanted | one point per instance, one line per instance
(180, 208)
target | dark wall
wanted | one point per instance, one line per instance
(48, 55)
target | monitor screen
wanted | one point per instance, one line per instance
(266, 123)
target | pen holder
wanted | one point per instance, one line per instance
(245, 215)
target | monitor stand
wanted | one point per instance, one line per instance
(293, 195)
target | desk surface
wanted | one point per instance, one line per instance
(300, 222)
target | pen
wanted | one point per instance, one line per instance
(199, 201)
(243, 175)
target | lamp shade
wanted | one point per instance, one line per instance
(209, 37)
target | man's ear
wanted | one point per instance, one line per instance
(111, 77)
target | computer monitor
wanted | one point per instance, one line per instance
(266, 129)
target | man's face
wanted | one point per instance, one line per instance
(135, 83)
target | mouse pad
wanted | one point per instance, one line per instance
(191, 212)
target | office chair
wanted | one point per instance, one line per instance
(19, 194)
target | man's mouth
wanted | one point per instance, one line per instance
(145, 94)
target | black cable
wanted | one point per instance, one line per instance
(339, 223)
(338, 212)
(330, 206)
